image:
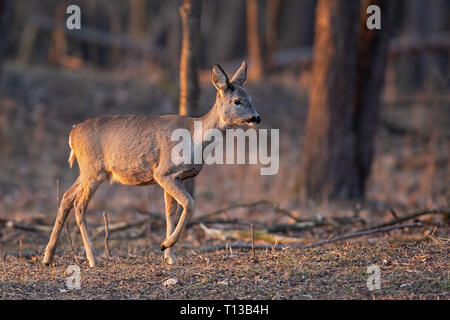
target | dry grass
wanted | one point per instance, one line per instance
(409, 270)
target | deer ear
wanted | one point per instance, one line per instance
(240, 76)
(219, 78)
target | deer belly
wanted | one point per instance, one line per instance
(132, 178)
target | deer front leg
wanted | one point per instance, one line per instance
(171, 213)
(175, 188)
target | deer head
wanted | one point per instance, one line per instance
(233, 103)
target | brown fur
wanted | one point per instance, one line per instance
(136, 150)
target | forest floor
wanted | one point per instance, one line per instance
(412, 266)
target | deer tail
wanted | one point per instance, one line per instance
(72, 156)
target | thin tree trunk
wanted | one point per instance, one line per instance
(327, 168)
(137, 19)
(256, 70)
(372, 58)
(190, 13)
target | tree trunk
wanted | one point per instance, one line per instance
(256, 70)
(372, 58)
(190, 13)
(327, 168)
(348, 77)
(272, 16)
(137, 19)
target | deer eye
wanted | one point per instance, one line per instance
(237, 102)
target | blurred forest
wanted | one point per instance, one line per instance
(376, 135)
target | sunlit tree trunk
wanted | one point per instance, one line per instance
(327, 168)
(256, 70)
(190, 13)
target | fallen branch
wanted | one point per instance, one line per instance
(359, 234)
(154, 215)
(275, 206)
(206, 217)
(120, 226)
(444, 211)
(246, 235)
(28, 227)
(243, 245)
(140, 233)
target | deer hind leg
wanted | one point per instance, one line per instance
(172, 210)
(81, 202)
(176, 189)
(63, 211)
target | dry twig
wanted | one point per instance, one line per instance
(246, 235)
(416, 214)
(243, 245)
(253, 243)
(107, 252)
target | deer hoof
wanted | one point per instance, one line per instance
(163, 247)
(47, 262)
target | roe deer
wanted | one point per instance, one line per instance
(136, 150)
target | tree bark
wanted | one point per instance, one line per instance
(327, 168)
(372, 58)
(190, 13)
(256, 70)
(272, 17)
(348, 77)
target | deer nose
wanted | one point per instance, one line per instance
(254, 119)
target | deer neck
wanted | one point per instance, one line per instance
(212, 119)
